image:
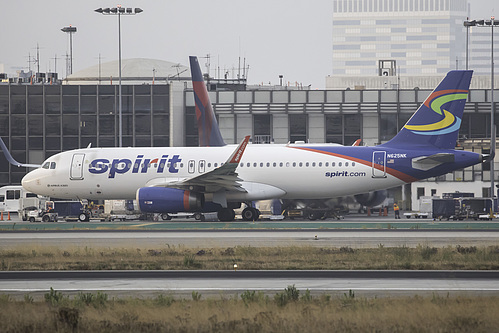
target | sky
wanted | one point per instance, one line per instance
(277, 37)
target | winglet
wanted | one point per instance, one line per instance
(236, 156)
(209, 133)
(12, 160)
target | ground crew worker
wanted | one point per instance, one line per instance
(396, 209)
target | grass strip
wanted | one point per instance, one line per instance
(168, 257)
(288, 311)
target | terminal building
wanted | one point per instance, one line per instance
(39, 119)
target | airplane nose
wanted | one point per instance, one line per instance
(29, 182)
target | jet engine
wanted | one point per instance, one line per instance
(371, 199)
(168, 200)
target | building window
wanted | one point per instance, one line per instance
(262, 128)
(343, 129)
(420, 192)
(297, 127)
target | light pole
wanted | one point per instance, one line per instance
(70, 31)
(485, 23)
(118, 10)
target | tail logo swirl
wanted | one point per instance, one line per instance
(449, 123)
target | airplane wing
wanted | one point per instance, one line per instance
(222, 178)
(12, 161)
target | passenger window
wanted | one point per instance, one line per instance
(274, 164)
(327, 164)
(313, 164)
(191, 166)
(339, 163)
(281, 164)
(294, 164)
(353, 164)
(2, 198)
(268, 164)
(261, 165)
(346, 164)
(248, 164)
(320, 164)
(287, 164)
(215, 165)
(254, 165)
(242, 164)
(333, 164)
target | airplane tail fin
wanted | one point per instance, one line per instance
(436, 123)
(209, 133)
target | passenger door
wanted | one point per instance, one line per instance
(76, 171)
(379, 164)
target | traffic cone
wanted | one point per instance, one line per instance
(1, 216)
(8, 216)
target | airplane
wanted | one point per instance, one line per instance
(217, 177)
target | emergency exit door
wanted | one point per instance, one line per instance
(379, 164)
(76, 171)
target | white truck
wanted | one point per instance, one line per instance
(10, 196)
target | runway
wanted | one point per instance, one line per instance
(182, 283)
(260, 238)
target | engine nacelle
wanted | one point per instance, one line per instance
(168, 200)
(371, 199)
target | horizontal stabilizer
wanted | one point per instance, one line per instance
(429, 162)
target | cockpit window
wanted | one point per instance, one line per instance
(49, 165)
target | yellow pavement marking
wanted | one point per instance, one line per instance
(143, 224)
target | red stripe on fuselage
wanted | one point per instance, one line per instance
(186, 201)
(395, 173)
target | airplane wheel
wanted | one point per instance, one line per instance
(82, 217)
(226, 215)
(312, 216)
(166, 217)
(198, 216)
(250, 214)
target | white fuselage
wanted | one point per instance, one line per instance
(266, 171)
